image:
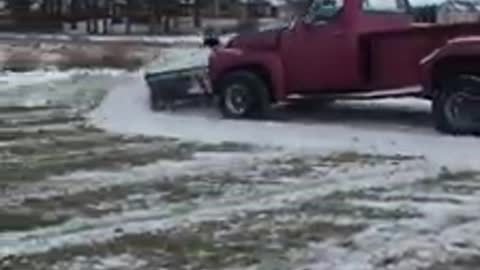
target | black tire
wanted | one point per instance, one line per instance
(450, 90)
(252, 90)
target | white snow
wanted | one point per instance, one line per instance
(417, 243)
(9, 80)
(126, 110)
(167, 40)
(87, 231)
(73, 88)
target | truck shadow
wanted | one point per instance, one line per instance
(392, 113)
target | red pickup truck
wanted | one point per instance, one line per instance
(353, 49)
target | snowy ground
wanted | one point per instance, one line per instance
(91, 179)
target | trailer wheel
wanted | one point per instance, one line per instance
(242, 94)
(455, 106)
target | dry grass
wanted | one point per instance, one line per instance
(109, 56)
(118, 56)
(21, 61)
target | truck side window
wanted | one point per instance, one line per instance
(324, 10)
(396, 6)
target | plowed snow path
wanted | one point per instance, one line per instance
(126, 111)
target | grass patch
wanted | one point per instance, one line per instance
(448, 176)
(117, 199)
(355, 157)
(55, 120)
(12, 135)
(381, 194)
(296, 166)
(220, 147)
(452, 182)
(38, 168)
(342, 208)
(23, 109)
(238, 242)
(20, 221)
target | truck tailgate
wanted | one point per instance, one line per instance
(392, 59)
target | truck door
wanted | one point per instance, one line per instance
(319, 51)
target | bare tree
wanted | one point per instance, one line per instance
(74, 9)
(154, 16)
(197, 12)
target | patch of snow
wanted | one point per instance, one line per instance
(119, 262)
(410, 244)
(115, 38)
(125, 260)
(146, 39)
(9, 80)
(87, 231)
(73, 88)
(80, 181)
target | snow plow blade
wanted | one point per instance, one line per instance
(178, 88)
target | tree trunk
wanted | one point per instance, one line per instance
(106, 15)
(152, 17)
(58, 8)
(197, 16)
(216, 8)
(44, 7)
(74, 9)
(105, 26)
(88, 9)
(167, 23)
(128, 26)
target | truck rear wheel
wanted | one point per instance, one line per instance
(456, 106)
(243, 94)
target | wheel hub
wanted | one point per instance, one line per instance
(237, 99)
(463, 109)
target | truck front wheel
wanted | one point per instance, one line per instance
(456, 106)
(243, 94)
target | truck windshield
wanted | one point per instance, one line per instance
(397, 6)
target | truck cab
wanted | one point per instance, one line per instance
(338, 48)
(322, 52)
(318, 53)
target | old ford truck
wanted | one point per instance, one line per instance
(352, 49)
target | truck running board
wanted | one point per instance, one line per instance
(389, 93)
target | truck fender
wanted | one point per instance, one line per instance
(266, 64)
(457, 53)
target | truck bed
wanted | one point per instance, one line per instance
(391, 59)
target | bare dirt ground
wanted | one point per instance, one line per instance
(74, 196)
